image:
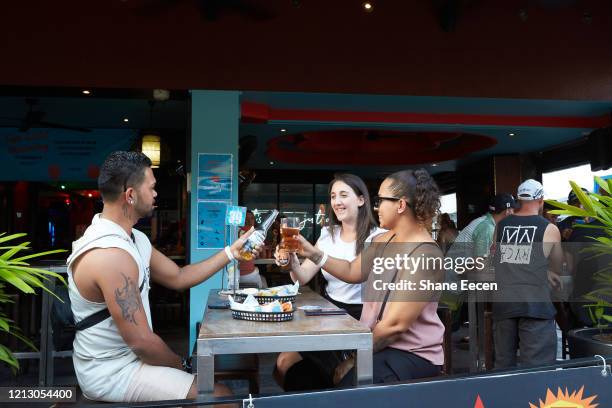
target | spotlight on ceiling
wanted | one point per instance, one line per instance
(86, 92)
(368, 6)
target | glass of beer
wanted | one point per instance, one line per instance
(290, 229)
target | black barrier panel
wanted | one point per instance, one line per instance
(579, 388)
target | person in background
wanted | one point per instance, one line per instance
(476, 240)
(349, 224)
(117, 356)
(552, 218)
(527, 258)
(447, 232)
(566, 226)
(407, 332)
(477, 237)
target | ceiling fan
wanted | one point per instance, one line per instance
(35, 119)
(212, 10)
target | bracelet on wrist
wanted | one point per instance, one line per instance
(322, 260)
(229, 254)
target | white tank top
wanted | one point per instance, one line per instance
(103, 362)
(337, 289)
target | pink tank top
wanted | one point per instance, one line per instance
(423, 338)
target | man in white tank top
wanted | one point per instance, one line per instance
(120, 358)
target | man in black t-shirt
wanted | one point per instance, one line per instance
(528, 256)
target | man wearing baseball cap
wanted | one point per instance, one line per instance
(528, 249)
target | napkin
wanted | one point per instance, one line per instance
(250, 304)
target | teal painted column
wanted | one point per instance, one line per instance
(215, 118)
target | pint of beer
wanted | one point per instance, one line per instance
(290, 229)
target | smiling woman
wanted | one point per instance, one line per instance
(348, 224)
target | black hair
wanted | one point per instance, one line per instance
(421, 192)
(365, 219)
(119, 171)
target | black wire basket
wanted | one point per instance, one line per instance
(263, 316)
(262, 300)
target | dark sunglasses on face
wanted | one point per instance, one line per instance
(378, 199)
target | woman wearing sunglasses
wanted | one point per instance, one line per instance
(407, 333)
(349, 224)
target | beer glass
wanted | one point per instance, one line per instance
(290, 229)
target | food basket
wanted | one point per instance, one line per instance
(262, 300)
(263, 316)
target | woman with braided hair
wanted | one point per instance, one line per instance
(407, 333)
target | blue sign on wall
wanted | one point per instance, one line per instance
(57, 154)
(214, 176)
(211, 224)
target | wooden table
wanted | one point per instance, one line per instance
(222, 334)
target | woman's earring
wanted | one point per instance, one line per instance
(131, 201)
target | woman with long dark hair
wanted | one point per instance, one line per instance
(349, 224)
(407, 333)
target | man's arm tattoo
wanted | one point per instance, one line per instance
(128, 299)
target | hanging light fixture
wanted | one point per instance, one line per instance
(151, 147)
(151, 143)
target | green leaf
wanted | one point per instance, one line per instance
(7, 357)
(8, 254)
(603, 184)
(567, 209)
(15, 281)
(11, 237)
(55, 251)
(584, 199)
(4, 325)
(607, 318)
(19, 335)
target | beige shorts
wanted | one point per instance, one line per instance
(156, 383)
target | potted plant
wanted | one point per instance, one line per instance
(587, 342)
(15, 271)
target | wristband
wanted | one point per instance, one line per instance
(229, 254)
(323, 260)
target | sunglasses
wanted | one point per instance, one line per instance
(378, 199)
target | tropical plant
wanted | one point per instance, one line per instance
(597, 207)
(18, 273)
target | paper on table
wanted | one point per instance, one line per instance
(250, 304)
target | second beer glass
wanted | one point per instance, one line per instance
(290, 229)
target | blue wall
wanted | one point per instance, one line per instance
(215, 117)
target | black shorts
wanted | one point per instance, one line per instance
(393, 365)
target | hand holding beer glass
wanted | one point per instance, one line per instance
(289, 230)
